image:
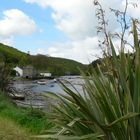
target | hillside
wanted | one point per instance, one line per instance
(10, 54)
(57, 66)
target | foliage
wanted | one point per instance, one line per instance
(57, 66)
(25, 60)
(11, 131)
(4, 76)
(11, 55)
(33, 120)
(109, 109)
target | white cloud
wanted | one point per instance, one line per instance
(15, 22)
(76, 18)
(41, 51)
(7, 41)
(80, 50)
(42, 3)
(132, 10)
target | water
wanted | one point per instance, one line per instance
(51, 85)
(32, 90)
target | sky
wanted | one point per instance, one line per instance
(58, 28)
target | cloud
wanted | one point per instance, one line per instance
(7, 41)
(42, 3)
(76, 18)
(134, 8)
(80, 50)
(15, 22)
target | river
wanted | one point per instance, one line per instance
(33, 88)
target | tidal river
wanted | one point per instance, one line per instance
(43, 86)
(50, 85)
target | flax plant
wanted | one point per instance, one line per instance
(109, 109)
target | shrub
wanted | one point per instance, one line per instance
(4, 76)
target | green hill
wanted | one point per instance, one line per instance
(10, 54)
(57, 66)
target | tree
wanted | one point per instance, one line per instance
(4, 76)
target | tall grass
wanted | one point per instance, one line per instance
(33, 120)
(11, 131)
(110, 106)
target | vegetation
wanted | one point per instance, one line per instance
(4, 76)
(34, 121)
(57, 66)
(11, 131)
(109, 108)
(10, 55)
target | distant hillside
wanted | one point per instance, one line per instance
(10, 54)
(57, 66)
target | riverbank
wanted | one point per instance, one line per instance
(32, 120)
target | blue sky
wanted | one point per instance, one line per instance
(47, 32)
(58, 28)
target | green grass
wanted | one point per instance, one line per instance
(34, 121)
(11, 131)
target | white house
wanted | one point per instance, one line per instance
(46, 74)
(19, 71)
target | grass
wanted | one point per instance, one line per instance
(11, 131)
(34, 121)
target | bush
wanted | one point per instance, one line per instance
(4, 76)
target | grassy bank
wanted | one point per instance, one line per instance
(34, 121)
(9, 130)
